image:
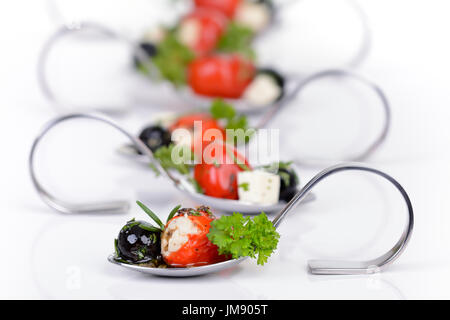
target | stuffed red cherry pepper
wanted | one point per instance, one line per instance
(184, 241)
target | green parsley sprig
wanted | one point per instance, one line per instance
(222, 110)
(241, 236)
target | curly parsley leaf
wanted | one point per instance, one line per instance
(241, 236)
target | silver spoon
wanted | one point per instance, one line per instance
(185, 94)
(328, 267)
(181, 183)
(56, 15)
(297, 85)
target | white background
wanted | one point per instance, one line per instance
(50, 255)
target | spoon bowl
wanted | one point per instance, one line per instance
(179, 181)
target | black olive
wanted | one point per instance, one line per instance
(149, 48)
(276, 76)
(155, 137)
(288, 183)
(137, 243)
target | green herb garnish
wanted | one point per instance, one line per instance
(116, 247)
(196, 185)
(149, 227)
(285, 177)
(241, 236)
(164, 156)
(285, 165)
(237, 39)
(220, 110)
(172, 59)
(141, 252)
(244, 186)
(172, 213)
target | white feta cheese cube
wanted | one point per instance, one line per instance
(259, 187)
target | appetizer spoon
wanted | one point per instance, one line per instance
(274, 111)
(185, 94)
(293, 89)
(329, 267)
(181, 183)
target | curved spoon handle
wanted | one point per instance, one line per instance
(366, 44)
(373, 146)
(110, 206)
(66, 30)
(353, 267)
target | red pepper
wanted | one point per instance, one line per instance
(227, 7)
(225, 76)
